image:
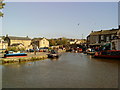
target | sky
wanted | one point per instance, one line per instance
(62, 0)
(58, 19)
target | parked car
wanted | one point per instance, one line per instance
(44, 49)
(30, 50)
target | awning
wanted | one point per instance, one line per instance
(108, 44)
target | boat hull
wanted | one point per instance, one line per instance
(113, 54)
(107, 56)
(15, 55)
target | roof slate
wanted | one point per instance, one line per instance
(102, 32)
(18, 38)
(37, 39)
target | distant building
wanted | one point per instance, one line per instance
(81, 41)
(40, 42)
(77, 41)
(3, 44)
(73, 41)
(22, 41)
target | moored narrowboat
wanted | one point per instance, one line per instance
(53, 54)
(15, 55)
(113, 54)
(11, 54)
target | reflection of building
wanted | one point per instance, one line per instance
(40, 42)
(3, 44)
(12, 40)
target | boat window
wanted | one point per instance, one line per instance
(104, 53)
(115, 53)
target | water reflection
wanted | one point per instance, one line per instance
(54, 59)
(103, 59)
(71, 70)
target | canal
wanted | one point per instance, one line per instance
(71, 70)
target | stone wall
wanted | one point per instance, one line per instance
(26, 43)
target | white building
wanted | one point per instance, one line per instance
(40, 42)
(3, 44)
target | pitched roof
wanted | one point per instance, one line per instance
(37, 39)
(18, 38)
(102, 32)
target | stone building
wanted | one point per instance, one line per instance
(3, 44)
(12, 40)
(102, 37)
(40, 42)
(115, 43)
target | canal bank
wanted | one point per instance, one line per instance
(29, 57)
(70, 70)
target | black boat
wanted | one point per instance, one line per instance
(53, 54)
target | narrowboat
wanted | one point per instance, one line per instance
(113, 54)
(53, 54)
(11, 54)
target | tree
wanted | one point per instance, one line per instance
(62, 41)
(52, 42)
(1, 7)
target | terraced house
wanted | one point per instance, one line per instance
(104, 36)
(14, 41)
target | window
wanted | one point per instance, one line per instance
(107, 38)
(112, 36)
(43, 42)
(102, 37)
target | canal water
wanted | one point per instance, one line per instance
(70, 70)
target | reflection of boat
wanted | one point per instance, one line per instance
(53, 54)
(115, 54)
(11, 54)
(90, 53)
